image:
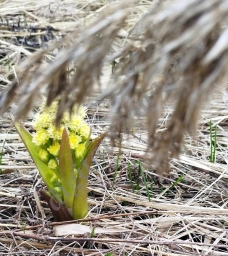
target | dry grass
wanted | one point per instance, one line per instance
(145, 214)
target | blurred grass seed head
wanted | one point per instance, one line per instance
(177, 50)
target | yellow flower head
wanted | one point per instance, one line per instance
(66, 117)
(42, 120)
(47, 133)
(74, 140)
(80, 151)
(84, 130)
(75, 123)
(80, 111)
(52, 109)
(41, 137)
(54, 149)
(54, 132)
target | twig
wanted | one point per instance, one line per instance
(104, 240)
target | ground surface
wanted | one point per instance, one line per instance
(132, 210)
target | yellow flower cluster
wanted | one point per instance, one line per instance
(48, 136)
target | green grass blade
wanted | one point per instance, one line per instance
(139, 175)
(130, 176)
(211, 144)
(1, 154)
(80, 206)
(146, 185)
(117, 167)
(92, 232)
(108, 254)
(178, 180)
(215, 144)
(66, 171)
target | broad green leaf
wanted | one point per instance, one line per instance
(80, 205)
(45, 172)
(66, 170)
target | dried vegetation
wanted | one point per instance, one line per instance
(146, 70)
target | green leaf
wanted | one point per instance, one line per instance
(80, 205)
(45, 172)
(78, 160)
(66, 170)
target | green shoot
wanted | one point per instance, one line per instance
(25, 20)
(117, 167)
(113, 66)
(23, 226)
(146, 185)
(130, 176)
(176, 182)
(1, 154)
(92, 232)
(151, 185)
(213, 143)
(108, 254)
(139, 174)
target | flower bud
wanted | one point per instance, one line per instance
(53, 164)
(44, 155)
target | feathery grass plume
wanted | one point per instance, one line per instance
(175, 51)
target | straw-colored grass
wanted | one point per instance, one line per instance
(133, 211)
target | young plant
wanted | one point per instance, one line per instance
(63, 155)
(175, 183)
(148, 190)
(1, 154)
(213, 143)
(139, 175)
(117, 167)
